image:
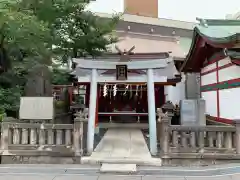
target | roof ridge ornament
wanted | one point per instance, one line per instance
(202, 22)
(125, 55)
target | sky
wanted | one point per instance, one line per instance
(188, 10)
(185, 10)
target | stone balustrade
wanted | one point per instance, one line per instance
(191, 142)
(23, 142)
(21, 139)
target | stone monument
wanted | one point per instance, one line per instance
(38, 103)
(193, 112)
(39, 82)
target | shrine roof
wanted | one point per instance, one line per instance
(216, 31)
(134, 61)
(163, 69)
(135, 56)
(211, 35)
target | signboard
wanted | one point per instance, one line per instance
(122, 72)
(36, 108)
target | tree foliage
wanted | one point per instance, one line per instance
(37, 31)
(74, 31)
(60, 76)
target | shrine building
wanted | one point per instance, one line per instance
(123, 88)
(215, 54)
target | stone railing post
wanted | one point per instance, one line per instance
(160, 115)
(42, 135)
(164, 140)
(84, 130)
(4, 135)
(237, 136)
(78, 133)
(201, 142)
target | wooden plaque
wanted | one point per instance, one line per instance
(121, 72)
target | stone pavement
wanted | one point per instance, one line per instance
(122, 146)
(109, 177)
(80, 172)
(122, 143)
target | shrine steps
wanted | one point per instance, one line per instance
(118, 168)
(138, 161)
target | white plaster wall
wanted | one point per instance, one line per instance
(175, 93)
(106, 6)
(224, 61)
(209, 67)
(228, 103)
(211, 102)
(209, 78)
(229, 73)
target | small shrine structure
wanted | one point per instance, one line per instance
(126, 85)
(215, 54)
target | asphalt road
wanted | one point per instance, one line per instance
(80, 172)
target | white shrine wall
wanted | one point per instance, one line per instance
(175, 93)
(210, 98)
(229, 73)
(229, 103)
(229, 98)
(209, 76)
(221, 103)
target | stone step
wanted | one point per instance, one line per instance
(118, 168)
(115, 160)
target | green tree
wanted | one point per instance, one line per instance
(60, 76)
(23, 42)
(75, 32)
(37, 31)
